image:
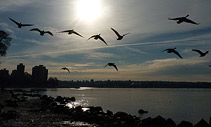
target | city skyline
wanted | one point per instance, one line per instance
(138, 55)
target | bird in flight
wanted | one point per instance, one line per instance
(20, 24)
(98, 37)
(71, 32)
(42, 32)
(209, 65)
(184, 19)
(172, 50)
(112, 64)
(118, 35)
(65, 68)
(202, 54)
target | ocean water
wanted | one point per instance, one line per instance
(179, 104)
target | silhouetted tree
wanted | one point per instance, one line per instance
(5, 40)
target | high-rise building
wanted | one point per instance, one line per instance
(20, 71)
(39, 74)
(20, 68)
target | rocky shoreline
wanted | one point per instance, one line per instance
(31, 109)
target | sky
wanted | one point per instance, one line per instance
(138, 55)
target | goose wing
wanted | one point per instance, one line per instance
(125, 34)
(35, 29)
(92, 36)
(65, 31)
(106, 65)
(49, 33)
(102, 40)
(179, 18)
(27, 25)
(165, 50)
(116, 32)
(77, 34)
(14, 21)
(177, 53)
(115, 67)
(196, 50)
(190, 21)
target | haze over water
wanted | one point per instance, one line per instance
(179, 104)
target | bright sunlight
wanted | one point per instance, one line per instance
(89, 10)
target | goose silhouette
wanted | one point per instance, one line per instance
(71, 32)
(96, 37)
(112, 64)
(202, 54)
(172, 50)
(65, 68)
(20, 24)
(118, 35)
(42, 32)
(184, 19)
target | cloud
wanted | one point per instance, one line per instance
(10, 5)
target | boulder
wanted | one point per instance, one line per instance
(202, 123)
(185, 124)
(170, 123)
(158, 121)
(141, 111)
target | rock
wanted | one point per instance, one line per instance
(185, 124)
(60, 99)
(146, 122)
(141, 111)
(158, 122)
(11, 114)
(170, 123)
(202, 123)
(72, 99)
(109, 113)
(11, 103)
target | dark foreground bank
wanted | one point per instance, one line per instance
(31, 109)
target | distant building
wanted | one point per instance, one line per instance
(20, 71)
(4, 73)
(39, 74)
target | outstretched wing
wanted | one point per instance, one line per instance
(102, 40)
(77, 34)
(106, 65)
(14, 21)
(36, 29)
(125, 34)
(115, 67)
(49, 33)
(164, 50)
(177, 54)
(196, 50)
(190, 21)
(92, 36)
(116, 32)
(175, 18)
(27, 25)
(65, 31)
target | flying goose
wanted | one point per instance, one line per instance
(172, 50)
(65, 68)
(71, 32)
(111, 64)
(202, 54)
(42, 32)
(184, 19)
(20, 24)
(118, 35)
(98, 37)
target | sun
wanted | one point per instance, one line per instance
(89, 10)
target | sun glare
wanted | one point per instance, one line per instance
(89, 10)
